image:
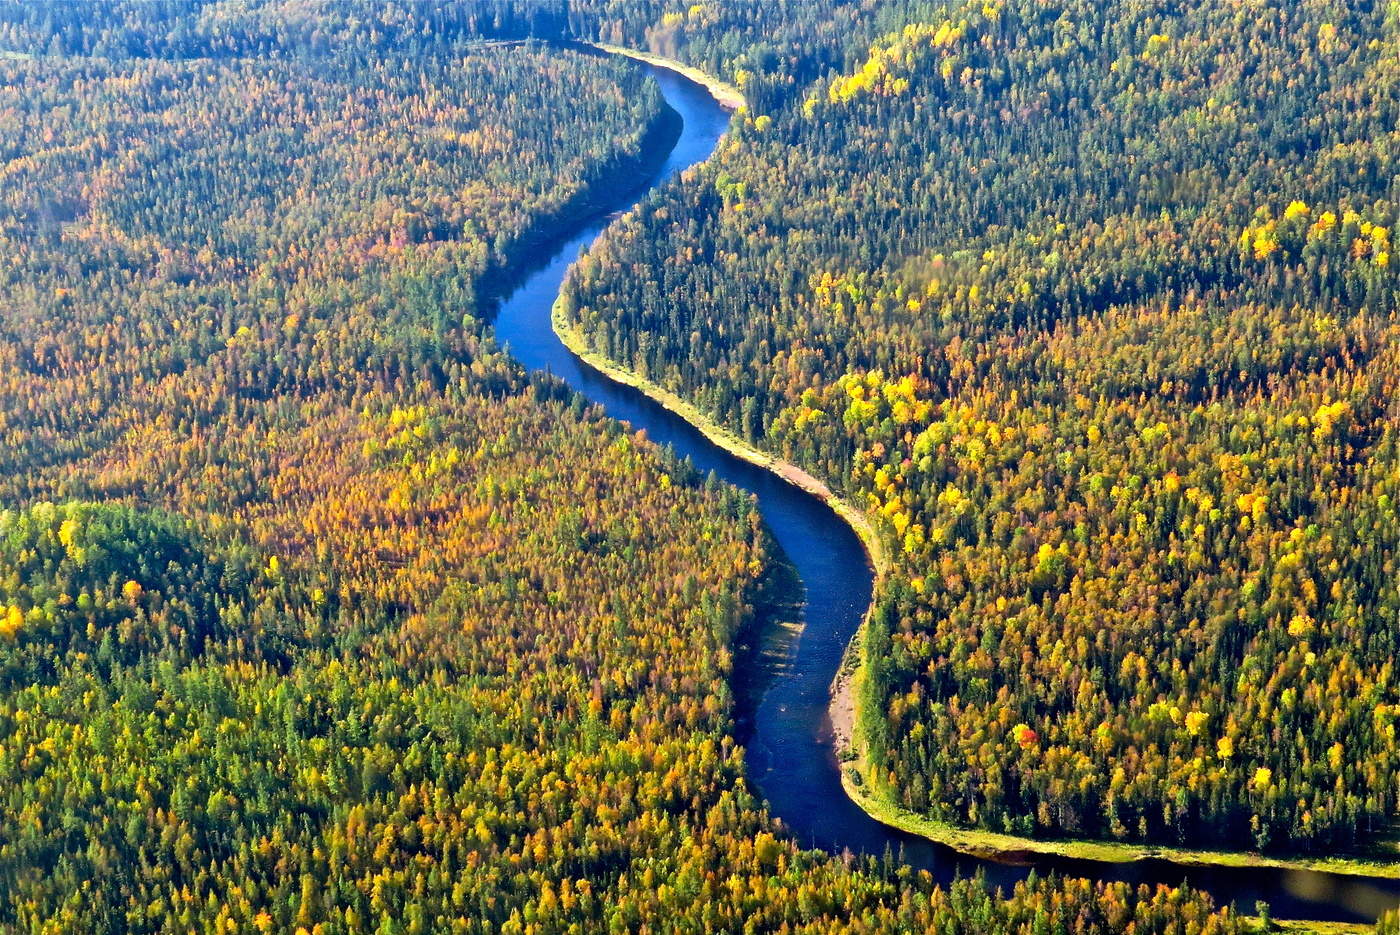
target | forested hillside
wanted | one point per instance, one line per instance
(1092, 307)
(317, 614)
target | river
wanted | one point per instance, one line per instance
(785, 726)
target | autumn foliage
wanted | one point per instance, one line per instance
(1092, 308)
(317, 614)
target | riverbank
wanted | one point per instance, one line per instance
(727, 95)
(624, 173)
(848, 719)
(1290, 927)
(573, 338)
(989, 844)
(845, 713)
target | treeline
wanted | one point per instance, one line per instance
(1093, 308)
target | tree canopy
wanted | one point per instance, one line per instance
(1092, 308)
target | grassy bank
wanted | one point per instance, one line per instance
(1289, 927)
(992, 844)
(729, 97)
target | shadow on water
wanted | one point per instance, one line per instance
(783, 682)
(764, 649)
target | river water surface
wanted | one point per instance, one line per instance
(785, 727)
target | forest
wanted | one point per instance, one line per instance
(317, 613)
(1092, 308)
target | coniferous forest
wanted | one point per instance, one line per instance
(319, 614)
(1092, 308)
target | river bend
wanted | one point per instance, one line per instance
(785, 727)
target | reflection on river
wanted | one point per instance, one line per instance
(784, 726)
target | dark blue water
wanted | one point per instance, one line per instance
(790, 753)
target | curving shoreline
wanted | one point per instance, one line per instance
(727, 95)
(572, 337)
(844, 709)
(789, 725)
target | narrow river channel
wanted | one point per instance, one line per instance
(790, 755)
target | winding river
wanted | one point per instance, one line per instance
(784, 722)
